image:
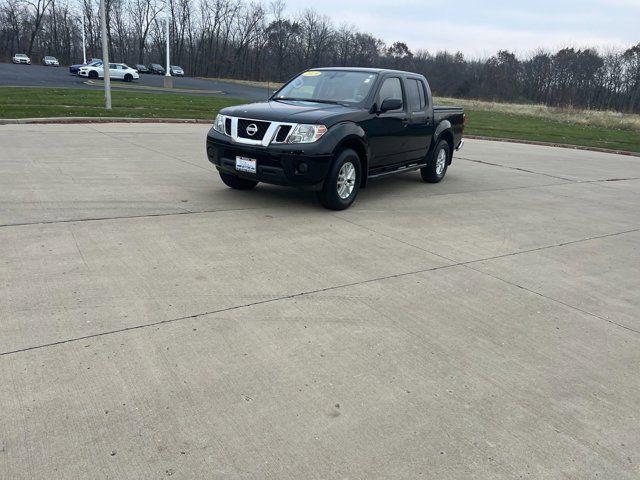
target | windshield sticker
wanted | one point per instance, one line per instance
(312, 73)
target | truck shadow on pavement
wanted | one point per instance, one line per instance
(265, 195)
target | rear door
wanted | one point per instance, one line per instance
(115, 71)
(420, 125)
(387, 131)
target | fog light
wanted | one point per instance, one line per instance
(303, 167)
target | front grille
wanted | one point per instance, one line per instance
(227, 126)
(282, 133)
(260, 126)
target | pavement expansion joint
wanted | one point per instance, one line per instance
(337, 287)
(516, 168)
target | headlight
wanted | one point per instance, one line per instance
(218, 124)
(307, 133)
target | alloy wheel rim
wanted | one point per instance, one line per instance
(441, 161)
(346, 180)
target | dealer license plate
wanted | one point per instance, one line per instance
(244, 164)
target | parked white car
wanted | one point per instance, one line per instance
(50, 61)
(117, 71)
(21, 58)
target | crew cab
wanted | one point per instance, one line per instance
(332, 130)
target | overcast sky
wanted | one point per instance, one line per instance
(482, 27)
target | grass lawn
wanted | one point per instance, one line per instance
(526, 127)
(490, 121)
(26, 102)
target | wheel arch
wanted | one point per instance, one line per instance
(444, 132)
(353, 137)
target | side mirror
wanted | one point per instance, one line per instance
(390, 104)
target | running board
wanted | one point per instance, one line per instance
(405, 168)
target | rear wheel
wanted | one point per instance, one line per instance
(93, 74)
(436, 169)
(236, 182)
(343, 181)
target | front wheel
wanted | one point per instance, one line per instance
(128, 77)
(436, 169)
(236, 182)
(93, 74)
(343, 182)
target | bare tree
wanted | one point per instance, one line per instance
(254, 39)
(36, 10)
(142, 13)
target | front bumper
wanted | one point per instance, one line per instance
(302, 165)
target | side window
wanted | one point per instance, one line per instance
(423, 96)
(413, 95)
(391, 88)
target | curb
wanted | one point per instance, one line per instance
(72, 120)
(79, 120)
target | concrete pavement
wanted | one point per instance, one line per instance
(155, 324)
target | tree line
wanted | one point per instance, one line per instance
(260, 41)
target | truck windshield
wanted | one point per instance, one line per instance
(328, 86)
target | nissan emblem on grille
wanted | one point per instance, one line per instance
(252, 129)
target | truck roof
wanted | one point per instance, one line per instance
(367, 70)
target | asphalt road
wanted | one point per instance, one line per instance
(41, 76)
(156, 324)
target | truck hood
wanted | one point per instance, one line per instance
(291, 111)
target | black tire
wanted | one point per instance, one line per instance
(336, 185)
(93, 74)
(128, 77)
(435, 171)
(236, 182)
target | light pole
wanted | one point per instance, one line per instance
(84, 43)
(168, 79)
(105, 56)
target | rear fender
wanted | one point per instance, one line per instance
(442, 127)
(444, 131)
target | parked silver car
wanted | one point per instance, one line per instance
(21, 58)
(50, 61)
(176, 71)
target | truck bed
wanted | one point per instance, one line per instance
(455, 116)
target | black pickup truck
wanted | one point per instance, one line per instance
(333, 129)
